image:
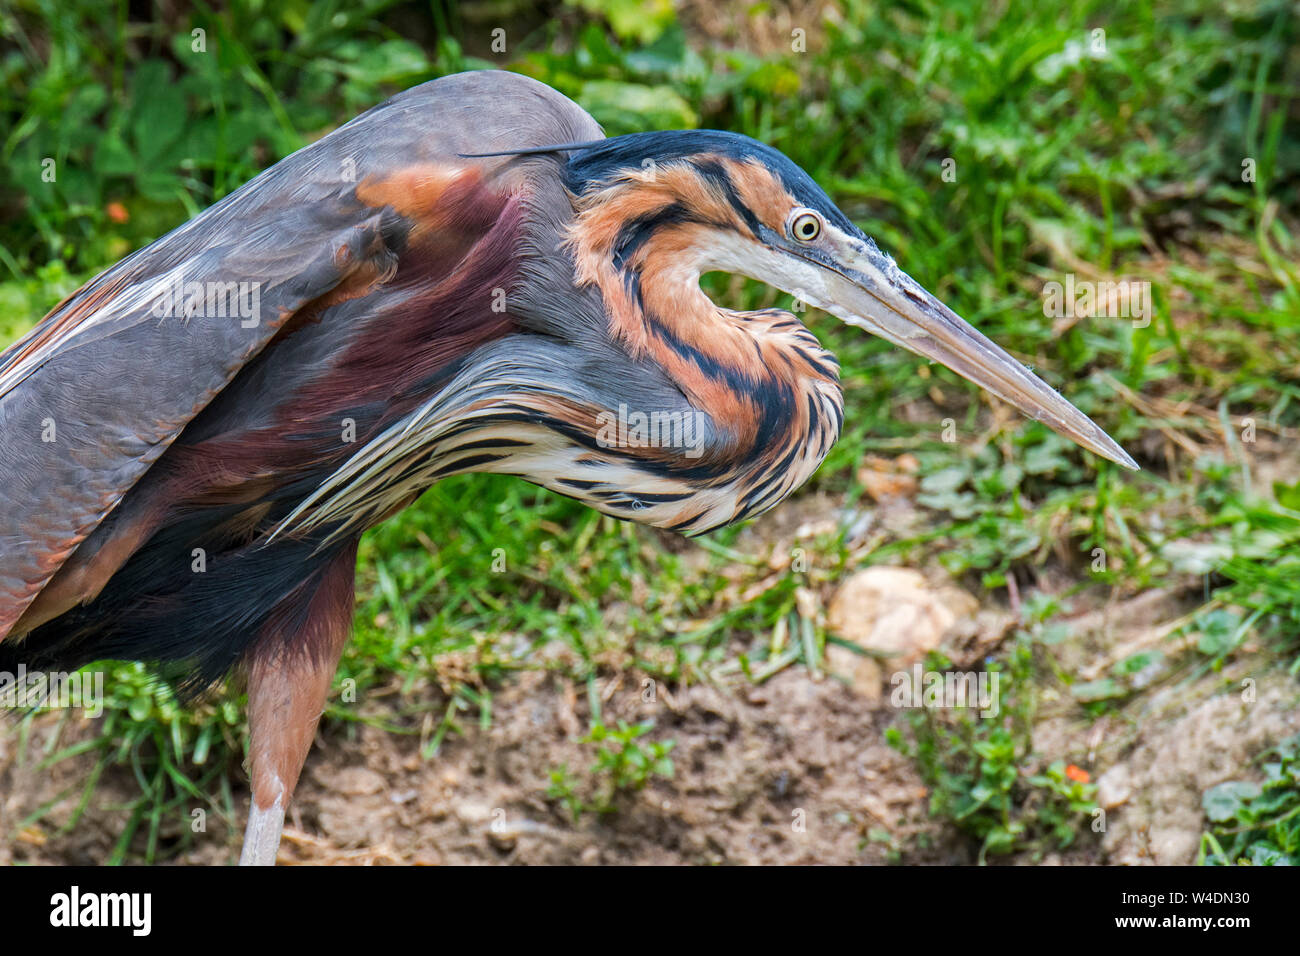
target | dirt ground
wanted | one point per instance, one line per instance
(793, 771)
(796, 772)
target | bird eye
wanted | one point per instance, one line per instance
(806, 226)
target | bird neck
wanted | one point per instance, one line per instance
(769, 387)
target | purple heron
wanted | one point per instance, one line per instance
(466, 278)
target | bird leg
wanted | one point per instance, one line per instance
(289, 678)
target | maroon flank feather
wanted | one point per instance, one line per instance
(346, 366)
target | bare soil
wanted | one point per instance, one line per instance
(794, 772)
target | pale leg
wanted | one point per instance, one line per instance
(288, 682)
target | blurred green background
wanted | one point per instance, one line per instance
(989, 148)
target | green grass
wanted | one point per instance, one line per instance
(984, 775)
(1067, 159)
(1256, 823)
(622, 764)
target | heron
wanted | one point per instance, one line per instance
(469, 277)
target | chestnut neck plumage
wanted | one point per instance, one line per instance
(770, 388)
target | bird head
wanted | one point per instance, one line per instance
(659, 209)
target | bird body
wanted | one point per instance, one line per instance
(465, 278)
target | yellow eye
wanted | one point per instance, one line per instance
(806, 226)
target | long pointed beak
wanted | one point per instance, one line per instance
(869, 291)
